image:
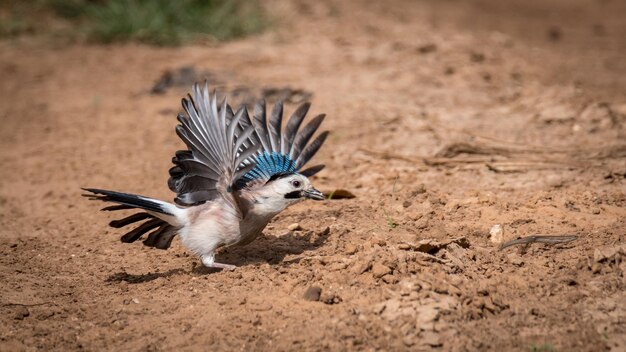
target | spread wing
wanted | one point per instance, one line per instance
(221, 144)
(283, 151)
(227, 149)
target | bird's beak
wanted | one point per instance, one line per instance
(314, 194)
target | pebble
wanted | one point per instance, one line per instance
(426, 246)
(380, 270)
(313, 293)
(361, 267)
(261, 306)
(21, 312)
(496, 234)
(330, 298)
(596, 268)
(404, 246)
(413, 214)
(608, 253)
(294, 227)
(390, 279)
(427, 48)
(421, 223)
(351, 249)
(409, 340)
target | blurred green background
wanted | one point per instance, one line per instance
(156, 22)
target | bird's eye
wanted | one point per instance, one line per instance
(295, 183)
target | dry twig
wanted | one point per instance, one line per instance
(539, 238)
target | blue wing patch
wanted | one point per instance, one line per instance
(268, 165)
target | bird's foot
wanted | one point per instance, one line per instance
(209, 261)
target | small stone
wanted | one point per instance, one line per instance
(427, 246)
(427, 48)
(339, 194)
(20, 313)
(350, 249)
(487, 198)
(390, 279)
(261, 306)
(413, 214)
(452, 206)
(135, 300)
(409, 340)
(380, 270)
(256, 321)
(607, 253)
(313, 293)
(477, 57)
(294, 227)
(419, 190)
(496, 234)
(330, 298)
(404, 246)
(361, 267)
(45, 315)
(422, 223)
(596, 268)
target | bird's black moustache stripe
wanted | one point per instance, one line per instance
(293, 195)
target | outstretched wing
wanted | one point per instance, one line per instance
(283, 151)
(220, 145)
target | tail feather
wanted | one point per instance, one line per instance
(135, 234)
(161, 238)
(117, 207)
(162, 216)
(131, 200)
(129, 220)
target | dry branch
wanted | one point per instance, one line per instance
(540, 239)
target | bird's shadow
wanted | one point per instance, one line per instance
(264, 249)
(268, 249)
(141, 278)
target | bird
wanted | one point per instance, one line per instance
(236, 174)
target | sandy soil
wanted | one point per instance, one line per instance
(448, 118)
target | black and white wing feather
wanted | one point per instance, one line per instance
(220, 144)
(228, 150)
(283, 151)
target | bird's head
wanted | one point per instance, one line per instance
(282, 191)
(295, 187)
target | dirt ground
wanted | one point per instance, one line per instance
(448, 117)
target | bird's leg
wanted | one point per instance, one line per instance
(223, 266)
(209, 261)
